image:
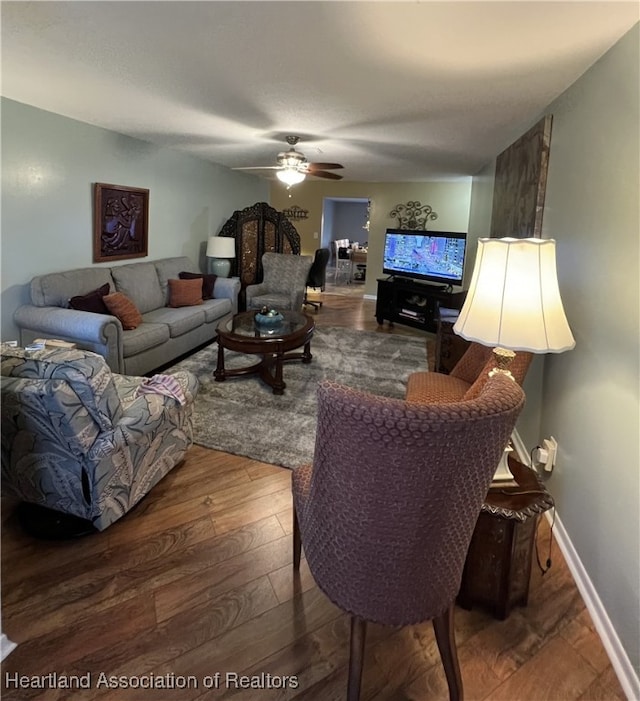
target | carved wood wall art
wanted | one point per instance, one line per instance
(413, 215)
(521, 183)
(121, 222)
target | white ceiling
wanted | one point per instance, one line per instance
(395, 91)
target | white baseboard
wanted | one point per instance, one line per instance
(627, 675)
(6, 646)
(520, 448)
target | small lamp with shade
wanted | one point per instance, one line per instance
(219, 251)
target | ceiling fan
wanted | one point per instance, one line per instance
(293, 167)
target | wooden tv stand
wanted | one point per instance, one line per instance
(416, 304)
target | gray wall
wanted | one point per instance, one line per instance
(588, 398)
(49, 165)
(349, 220)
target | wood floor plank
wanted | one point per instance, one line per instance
(207, 583)
(233, 497)
(581, 634)
(286, 520)
(253, 510)
(557, 671)
(247, 644)
(477, 678)
(183, 485)
(605, 687)
(101, 631)
(257, 470)
(198, 626)
(287, 585)
(308, 660)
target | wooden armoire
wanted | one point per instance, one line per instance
(258, 229)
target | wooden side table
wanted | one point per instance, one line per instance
(498, 565)
(449, 346)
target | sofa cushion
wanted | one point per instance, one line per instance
(144, 337)
(91, 302)
(208, 282)
(124, 309)
(185, 293)
(139, 282)
(56, 289)
(170, 268)
(216, 309)
(178, 321)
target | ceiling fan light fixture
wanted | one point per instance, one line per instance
(290, 176)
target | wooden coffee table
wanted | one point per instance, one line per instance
(241, 334)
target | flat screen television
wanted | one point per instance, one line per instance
(436, 256)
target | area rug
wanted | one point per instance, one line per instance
(242, 416)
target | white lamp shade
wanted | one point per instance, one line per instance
(221, 247)
(290, 176)
(514, 300)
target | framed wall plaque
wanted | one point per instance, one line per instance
(121, 222)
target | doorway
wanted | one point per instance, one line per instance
(344, 218)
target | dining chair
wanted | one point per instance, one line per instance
(386, 512)
(317, 276)
(342, 259)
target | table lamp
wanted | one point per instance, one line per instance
(219, 250)
(514, 304)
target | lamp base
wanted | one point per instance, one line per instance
(503, 473)
(503, 358)
(219, 266)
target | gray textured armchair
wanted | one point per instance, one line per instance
(86, 442)
(283, 283)
(387, 511)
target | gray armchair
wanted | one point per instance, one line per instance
(83, 441)
(283, 283)
(387, 510)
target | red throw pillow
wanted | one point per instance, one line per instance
(91, 302)
(185, 293)
(208, 282)
(124, 309)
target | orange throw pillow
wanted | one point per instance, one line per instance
(124, 309)
(185, 293)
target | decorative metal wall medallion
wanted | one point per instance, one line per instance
(413, 215)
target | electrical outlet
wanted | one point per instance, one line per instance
(551, 448)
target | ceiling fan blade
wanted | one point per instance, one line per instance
(258, 168)
(323, 166)
(324, 174)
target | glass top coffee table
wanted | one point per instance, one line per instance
(274, 344)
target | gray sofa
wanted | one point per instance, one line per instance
(165, 333)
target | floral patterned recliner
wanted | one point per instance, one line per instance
(81, 440)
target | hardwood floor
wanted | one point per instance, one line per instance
(197, 580)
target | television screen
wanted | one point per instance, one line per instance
(437, 256)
